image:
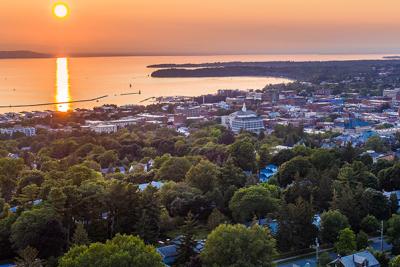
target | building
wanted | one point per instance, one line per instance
(243, 120)
(169, 253)
(188, 111)
(393, 94)
(28, 131)
(267, 172)
(359, 259)
(104, 128)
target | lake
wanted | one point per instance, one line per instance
(33, 81)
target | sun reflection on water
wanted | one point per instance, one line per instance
(62, 85)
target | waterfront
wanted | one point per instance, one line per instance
(32, 81)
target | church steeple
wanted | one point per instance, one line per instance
(244, 109)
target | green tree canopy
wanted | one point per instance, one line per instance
(346, 243)
(39, 228)
(296, 167)
(174, 169)
(203, 176)
(370, 224)
(244, 154)
(122, 250)
(332, 222)
(236, 245)
(393, 233)
(252, 201)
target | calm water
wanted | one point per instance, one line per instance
(32, 81)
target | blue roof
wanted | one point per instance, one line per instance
(317, 220)
(170, 252)
(35, 203)
(358, 259)
(157, 185)
(267, 172)
(272, 224)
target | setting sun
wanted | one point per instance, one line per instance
(60, 10)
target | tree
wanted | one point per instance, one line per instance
(108, 158)
(179, 199)
(389, 178)
(122, 250)
(148, 226)
(236, 245)
(324, 259)
(395, 262)
(244, 154)
(227, 137)
(9, 170)
(203, 176)
(264, 156)
(298, 166)
(28, 257)
(39, 228)
(346, 243)
(252, 201)
(362, 240)
(80, 173)
(332, 222)
(174, 169)
(347, 201)
(29, 178)
(230, 175)
(282, 156)
(376, 143)
(296, 229)
(6, 251)
(322, 159)
(370, 224)
(394, 203)
(375, 203)
(216, 218)
(187, 243)
(80, 236)
(393, 233)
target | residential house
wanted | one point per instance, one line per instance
(359, 259)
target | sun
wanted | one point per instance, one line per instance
(60, 10)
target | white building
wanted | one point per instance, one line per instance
(28, 131)
(243, 120)
(104, 128)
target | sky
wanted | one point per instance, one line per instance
(202, 26)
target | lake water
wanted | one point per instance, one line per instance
(33, 81)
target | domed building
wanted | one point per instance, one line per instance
(243, 120)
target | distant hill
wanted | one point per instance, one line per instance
(22, 54)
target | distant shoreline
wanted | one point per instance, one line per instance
(315, 71)
(27, 54)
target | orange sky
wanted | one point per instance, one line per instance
(203, 26)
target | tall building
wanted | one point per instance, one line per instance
(243, 120)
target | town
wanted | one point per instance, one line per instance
(185, 152)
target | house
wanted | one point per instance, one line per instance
(34, 203)
(170, 252)
(271, 224)
(157, 185)
(267, 172)
(359, 259)
(146, 167)
(119, 169)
